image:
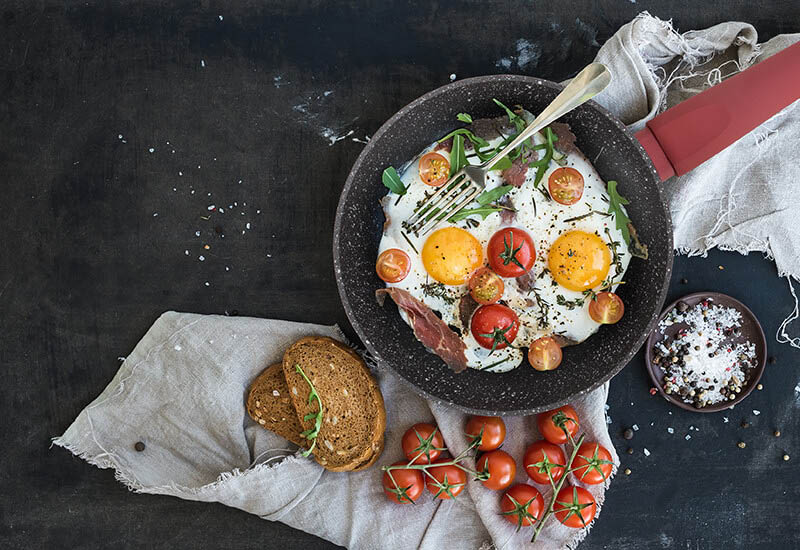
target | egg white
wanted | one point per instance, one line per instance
(544, 223)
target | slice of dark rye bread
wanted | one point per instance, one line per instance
(269, 404)
(354, 418)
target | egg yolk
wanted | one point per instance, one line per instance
(579, 260)
(451, 254)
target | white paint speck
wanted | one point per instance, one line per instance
(196, 233)
(120, 136)
(151, 150)
(180, 173)
(155, 214)
(186, 252)
(756, 412)
(220, 17)
(208, 284)
(725, 419)
(247, 225)
(452, 77)
(202, 63)
(121, 358)
(202, 258)
(227, 268)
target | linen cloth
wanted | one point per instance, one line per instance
(181, 391)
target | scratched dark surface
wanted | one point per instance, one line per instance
(258, 96)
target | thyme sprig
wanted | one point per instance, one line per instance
(311, 433)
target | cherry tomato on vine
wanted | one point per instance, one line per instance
(522, 505)
(485, 286)
(544, 354)
(565, 185)
(393, 265)
(403, 485)
(575, 506)
(490, 429)
(592, 464)
(542, 457)
(500, 467)
(511, 252)
(447, 481)
(494, 326)
(553, 423)
(434, 169)
(422, 443)
(606, 308)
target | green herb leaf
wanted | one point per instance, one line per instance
(391, 179)
(493, 194)
(478, 142)
(502, 164)
(464, 117)
(513, 117)
(311, 433)
(483, 211)
(615, 207)
(544, 164)
(458, 159)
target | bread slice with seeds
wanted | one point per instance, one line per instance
(354, 418)
(269, 404)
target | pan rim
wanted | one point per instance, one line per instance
(350, 181)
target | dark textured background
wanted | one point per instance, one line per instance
(85, 266)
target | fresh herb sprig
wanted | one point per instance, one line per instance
(311, 433)
(391, 179)
(615, 205)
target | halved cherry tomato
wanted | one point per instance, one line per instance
(606, 308)
(403, 485)
(446, 481)
(422, 443)
(592, 464)
(543, 457)
(485, 286)
(575, 506)
(522, 505)
(494, 326)
(490, 429)
(434, 169)
(500, 468)
(511, 252)
(393, 265)
(565, 185)
(553, 423)
(544, 354)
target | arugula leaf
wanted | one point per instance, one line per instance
(513, 117)
(483, 211)
(464, 117)
(478, 142)
(493, 194)
(391, 179)
(544, 164)
(615, 207)
(502, 164)
(458, 159)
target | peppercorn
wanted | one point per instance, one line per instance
(745, 424)
(741, 444)
(760, 387)
(628, 470)
(630, 450)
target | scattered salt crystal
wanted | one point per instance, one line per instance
(120, 136)
(247, 225)
(180, 173)
(259, 212)
(186, 252)
(208, 284)
(635, 427)
(725, 419)
(691, 428)
(221, 210)
(269, 255)
(151, 150)
(671, 430)
(240, 181)
(755, 412)
(202, 63)
(646, 452)
(227, 268)
(202, 258)
(178, 347)
(174, 189)
(197, 233)
(211, 341)
(211, 207)
(155, 214)
(220, 17)
(688, 437)
(452, 77)
(121, 358)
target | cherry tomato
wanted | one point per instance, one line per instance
(542, 457)
(407, 485)
(575, 506)
(490, 429)
(494, 326)
(522, 505)
(565, 185)
(447, 481)
(511, 252)
(393, 265)
(500, 467)
(434, 169)
(606, 308)
(553, 423)
(485, 286)
(592, 464)
(422, 443)
(544, 354)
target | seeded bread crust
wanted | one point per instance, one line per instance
(354, 418)
(269, 404)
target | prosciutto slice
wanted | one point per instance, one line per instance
(428, 328)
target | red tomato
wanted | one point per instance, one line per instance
(494, 326)
(565, 185)
(511, 252)
(592, 464)
(606, 308)
(500, 468)
(490, 429)
(485, 286)
(393, 265)
(575, 506)
(542, 457)
(422, 443)
(403, 485)
(544, 354)
(522, 505)
(434, 169)
(446, 481)
(553, 423)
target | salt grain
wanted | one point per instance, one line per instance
(151, 150)
(646, 452)
(635, 427)
(755, 412)
(688, 437)
(671, 430)
(202, 258)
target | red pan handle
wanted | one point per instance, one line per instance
(687, 135)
